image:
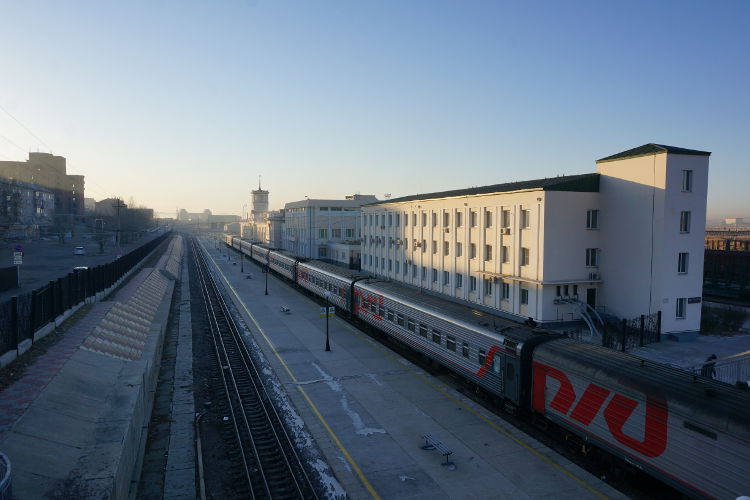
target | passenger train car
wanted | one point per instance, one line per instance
(688, 431)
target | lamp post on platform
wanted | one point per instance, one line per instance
(242, 261)
(266, 278)
(328, 343)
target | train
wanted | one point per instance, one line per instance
(686, 430)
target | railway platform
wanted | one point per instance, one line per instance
(73, 425)
(367, 408)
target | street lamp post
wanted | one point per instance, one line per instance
(328, 343)
(242, 261)
(266, 278)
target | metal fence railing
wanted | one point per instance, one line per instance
(732, 370)
(22, 316)
(630, 333)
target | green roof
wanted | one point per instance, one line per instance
(649, 149)
(581, 183)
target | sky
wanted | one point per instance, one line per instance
(183, 104)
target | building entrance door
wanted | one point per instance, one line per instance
(591, 297)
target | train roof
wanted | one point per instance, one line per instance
(456, 313)
(342, 272)
(700, 396)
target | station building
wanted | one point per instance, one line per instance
(328, 230)
(626, 240)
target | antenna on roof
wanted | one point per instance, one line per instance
(387, 196)
(259, 188)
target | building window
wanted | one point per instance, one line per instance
(376, 260)
(414, 220)
(436, 336)
(592, 219)
(506, 218)
(682, 263)
(434, 246)
(506, 291)
(424, 219)
(505, 251)
(459, 280)
(350, 233)
(390, 264)
(524, 296)
(459, 219)
(422, 330)
(446, 248)
(488, 252)
(390, 220)
(525, 257)
(450, 343)
(323, 234)
(413, 270)
(592, 257)
(685, 221)
(680, 308)
(434, 275)
(446, 219)
(398, 217)
(336, 233)
(473, 218)
(525, 219)
(487, 218)
(472, 250)
(376, 219)
(446, 278)
(322, 252)
(465, 349)
(382, 262)
(687, 181)
(459, 249)
(488, 286)
(473, 283)
(481, 357)
(424, 273)
(434, 219)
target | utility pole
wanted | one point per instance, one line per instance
(117, 206)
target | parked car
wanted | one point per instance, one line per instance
(79, 251)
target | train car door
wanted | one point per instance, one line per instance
(512, 370)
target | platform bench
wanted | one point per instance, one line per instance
(432, 443)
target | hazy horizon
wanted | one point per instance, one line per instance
(185, 104)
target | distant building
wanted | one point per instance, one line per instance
(26, 210)
(736, 222)
(49, 171)
(329, 230)
(627, 240)
(205, 219)
(108, 207)
(89, 205)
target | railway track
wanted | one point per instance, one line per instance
(268, 462)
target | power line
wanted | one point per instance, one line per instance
(26, 128)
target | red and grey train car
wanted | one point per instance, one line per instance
(690, 432)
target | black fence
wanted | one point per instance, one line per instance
(23, 315)
(8, 278)
(629, 333)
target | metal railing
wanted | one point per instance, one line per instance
(732, 369)
(23, 315)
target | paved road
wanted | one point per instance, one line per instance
(44, 261)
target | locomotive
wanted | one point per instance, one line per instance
(686, 430)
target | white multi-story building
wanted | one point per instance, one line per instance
(328, 230)
(627, 240)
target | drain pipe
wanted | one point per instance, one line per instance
(201, 481)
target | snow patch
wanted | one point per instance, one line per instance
(346, 464)
(330, 382)
(359, 425)
(406, 478)
(375, 379)
(333, 488)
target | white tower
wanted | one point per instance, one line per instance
(259, 204)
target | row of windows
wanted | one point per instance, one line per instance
(335, 233)
(452, 343)
(394, 219)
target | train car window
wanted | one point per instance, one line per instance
(373, 307)
(450, 343)
(400, 319)
(481, 357)
(497, 365)
(390, 315)
(465, 349)
(436, 336)
(381, 311)
(410, 324)
(700, 430)
(422, 330)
